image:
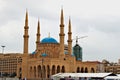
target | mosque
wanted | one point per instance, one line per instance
(52, 56)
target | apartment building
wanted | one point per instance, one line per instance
(8, 63)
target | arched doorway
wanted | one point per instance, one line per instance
(63, 69)
(82, 70)
(86, 70)
(58, 69)
(48, 71)
(34, 72)
(53, 69)
(92, 70)
(39, 71)
(44, 71)
(78, 70)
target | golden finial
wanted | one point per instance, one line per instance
(49, 34)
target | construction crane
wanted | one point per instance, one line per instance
(79, 38)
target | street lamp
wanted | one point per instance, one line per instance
(1, 68)
(2, 59)
(3, 49)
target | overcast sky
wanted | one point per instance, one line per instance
(97, 19)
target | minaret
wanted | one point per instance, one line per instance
(62, 35)
(69, 38)
(38, 35)
(26, 36)
(25, 51)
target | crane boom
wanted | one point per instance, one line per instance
(79, 38)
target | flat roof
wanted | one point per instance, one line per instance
(100, 75)
(112, 77)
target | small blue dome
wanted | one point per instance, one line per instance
(49, 40)
(44, 54)
(33, 52)
(79, 59)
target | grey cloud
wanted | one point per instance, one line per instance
(107, 24)
(82, 21)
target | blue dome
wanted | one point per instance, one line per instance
(49, 40)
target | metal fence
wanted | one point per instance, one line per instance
(37, 79)
(22, 79)
(9, 78)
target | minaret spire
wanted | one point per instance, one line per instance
(69, 25)
(69, 38)
(26, 19)
(62, 17)
(38, 35)
(62, 34)
(26, 36)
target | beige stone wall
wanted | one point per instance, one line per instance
(55, 65)
(52, 50)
